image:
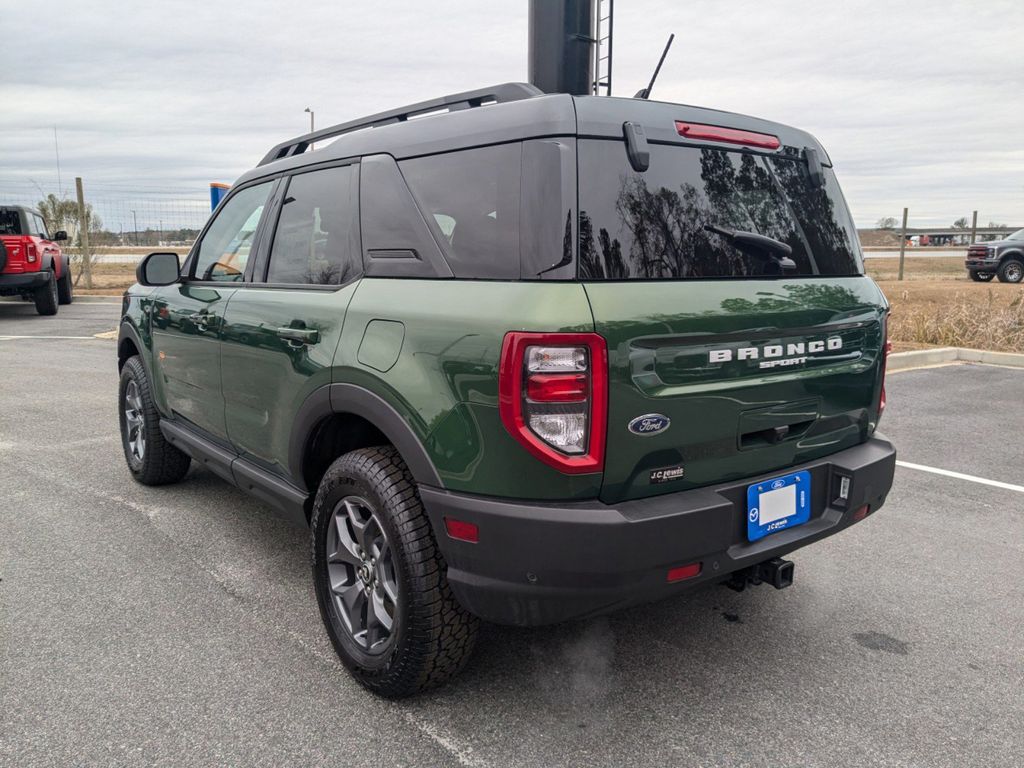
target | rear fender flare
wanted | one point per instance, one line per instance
(349, 398)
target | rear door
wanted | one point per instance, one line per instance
(281, 328)
(722, 365)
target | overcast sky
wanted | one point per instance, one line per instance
(918, 103)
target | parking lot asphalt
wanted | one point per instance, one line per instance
(177, 626)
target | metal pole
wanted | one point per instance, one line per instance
(974, 227)
(83, 234)
(903, 241)
(135, 221)
(312, 128)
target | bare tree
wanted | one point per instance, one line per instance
(962, 223)
(886, 222)
(61, 213)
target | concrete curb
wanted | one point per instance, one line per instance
(923, 358)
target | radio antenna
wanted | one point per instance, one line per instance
(645, 93)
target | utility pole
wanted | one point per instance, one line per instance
(974, 227)
(312, 128)
(56, 150)
(83, 234)
(903, 241)
(135, 222)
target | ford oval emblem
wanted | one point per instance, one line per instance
(778, 484)
(649, 424)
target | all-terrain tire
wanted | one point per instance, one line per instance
(432, 636)
(981, 277)
(65, 288)
(160, 462)
(45, 297)
(1011, 271)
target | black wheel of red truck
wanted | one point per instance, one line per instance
(151, 459)
(1011, 271)
(380, 579)
(65, 288)
(981, 277)
(46, 296)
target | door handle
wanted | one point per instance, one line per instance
(297, 336)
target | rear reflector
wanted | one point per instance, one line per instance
(557, 388)
(861, 513)
(461, 530)
(727, 135)
(684, 572)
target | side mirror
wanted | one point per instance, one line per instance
(59, 235)
(160, 268)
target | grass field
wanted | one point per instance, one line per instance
(935, 305)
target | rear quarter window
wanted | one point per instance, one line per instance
(10, 223)
(652, 225)
(470, 200)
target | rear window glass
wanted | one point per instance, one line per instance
(10, 223)
(653, 225)
(315, 241)
(471, 202)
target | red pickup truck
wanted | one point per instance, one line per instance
(31, 263)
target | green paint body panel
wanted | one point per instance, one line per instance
(267, 378)
(660, 336)
(445, 382)
(431, 348)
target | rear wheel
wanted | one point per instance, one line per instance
(46, 297)
(65, 292)
(151, 458)
(380, 579)
(981, 277)
(1011, 271)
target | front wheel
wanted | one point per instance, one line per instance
(981, 277)
(151, 459)
(1011, 271)
(380, 579)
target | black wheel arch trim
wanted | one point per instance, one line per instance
(350, 398)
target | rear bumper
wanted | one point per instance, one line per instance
(538, 563)
(23, 281)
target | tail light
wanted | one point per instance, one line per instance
(553, 397)
(30, 252)
(886, 349)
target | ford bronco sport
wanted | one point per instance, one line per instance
(31, 264)
(526, 358)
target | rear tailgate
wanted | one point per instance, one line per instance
(750, 377)
(747, 358)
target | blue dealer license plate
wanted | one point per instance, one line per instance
(777, 504)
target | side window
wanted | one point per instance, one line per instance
(471, 199)
(315, 240)
(226, 246)
(40, 226)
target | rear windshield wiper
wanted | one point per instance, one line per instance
(756, 245)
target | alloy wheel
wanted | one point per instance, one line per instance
(361, 572)
(134, 421)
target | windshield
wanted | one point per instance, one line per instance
(1018, 235)
(654, 225)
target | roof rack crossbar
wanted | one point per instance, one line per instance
(495, 94)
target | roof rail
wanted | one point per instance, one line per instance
(496, 94)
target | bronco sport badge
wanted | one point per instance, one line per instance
(775, 355)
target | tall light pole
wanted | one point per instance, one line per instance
(311, 125)
(136, 222)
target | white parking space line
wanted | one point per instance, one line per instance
(16, 338)
(961, 476)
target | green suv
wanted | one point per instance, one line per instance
(522, 358)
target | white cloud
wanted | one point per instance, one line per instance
(917, 103)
